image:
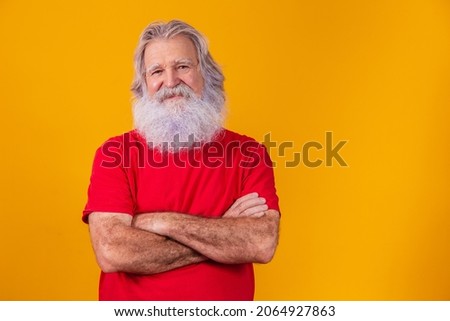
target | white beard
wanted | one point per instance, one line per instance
(183, 123)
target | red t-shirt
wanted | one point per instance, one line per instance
(128, 177)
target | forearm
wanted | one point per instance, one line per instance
(225, 240)
(142, 252)
(132, 250)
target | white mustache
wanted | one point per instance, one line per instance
(180, 90)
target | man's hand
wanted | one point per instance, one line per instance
(247, 205)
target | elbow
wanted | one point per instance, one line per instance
(106, 259)
(267, 247)
(105, 231)
(106, 265)
(266, 253)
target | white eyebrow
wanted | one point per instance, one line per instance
(175, 62)
(153, 67)
(183, 61)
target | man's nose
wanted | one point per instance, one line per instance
(172, 78)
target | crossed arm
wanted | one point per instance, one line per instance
(157, 242)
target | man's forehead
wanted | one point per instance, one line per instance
(172, 49)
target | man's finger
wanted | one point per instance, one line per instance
(247, 204)
(259, 214)
(243, 199)
(254, 210)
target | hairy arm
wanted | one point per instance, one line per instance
(247, 232)
(120, 247)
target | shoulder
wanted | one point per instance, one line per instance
(128, 137)
(114, 148)
(120, 142)
(245, 148)
(228, 136)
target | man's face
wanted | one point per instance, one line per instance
(178, 107)
(170, 62)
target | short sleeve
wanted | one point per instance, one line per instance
(259, 175)
(109, 188)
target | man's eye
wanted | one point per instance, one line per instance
(183, 67)
(156, 72)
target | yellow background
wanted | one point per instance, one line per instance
(375, 73)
